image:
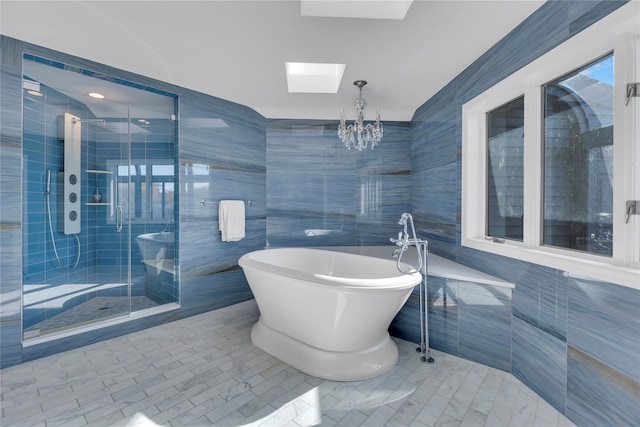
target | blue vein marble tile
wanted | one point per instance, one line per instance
(210, 292)
(540, 361)
(540, 298)
(10, 265)
(286, 228)
(443, 318)
(382, 199)
(604, 322)
(308, 146)
(484, 322)
(11, 202)
(545, 29)
(334, 193)
(221, 133)
(440, 235)
(205, 254)
(391, 156)
(314, 183)
(433, 132)
(597, 395)
(406, 324)
(10, 103)
(10, 342)
(582, 14)
(435, 188)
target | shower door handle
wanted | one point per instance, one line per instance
(119, 219)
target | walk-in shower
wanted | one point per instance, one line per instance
(97, 173)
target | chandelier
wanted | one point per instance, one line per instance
(358, 135)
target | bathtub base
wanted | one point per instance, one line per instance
(330, 365)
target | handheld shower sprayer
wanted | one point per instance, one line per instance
(47, 190)
(47, 196)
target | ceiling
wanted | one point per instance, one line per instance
(236, 50)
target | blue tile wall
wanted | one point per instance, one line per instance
(319, 193)
(598, 395)
(467, 319)
(565, 332)
(605, 324)
(484, 323)
(222, 156)
(540, 361)
(10, 202)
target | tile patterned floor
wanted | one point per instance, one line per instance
(203, 371)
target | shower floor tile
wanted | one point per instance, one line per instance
(204, 370)
(98, 308)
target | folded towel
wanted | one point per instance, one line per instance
(231, 220)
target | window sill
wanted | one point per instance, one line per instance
(587, 267)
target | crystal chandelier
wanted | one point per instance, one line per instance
(358, 135)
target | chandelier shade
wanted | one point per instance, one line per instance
(358, 135)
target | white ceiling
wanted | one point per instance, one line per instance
(236, 50)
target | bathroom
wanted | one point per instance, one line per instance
(357, 195)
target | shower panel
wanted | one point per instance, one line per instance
(69, 132)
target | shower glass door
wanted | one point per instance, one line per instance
(98, 180)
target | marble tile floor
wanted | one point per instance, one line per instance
(97, 308)
(203, 371)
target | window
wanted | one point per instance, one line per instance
(548, 157)
(505, 170)
(148, 186)
(578, 159)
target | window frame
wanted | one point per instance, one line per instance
(616, 33)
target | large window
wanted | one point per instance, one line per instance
(578, 159)
(550, 158)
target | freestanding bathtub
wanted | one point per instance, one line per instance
(326, 313)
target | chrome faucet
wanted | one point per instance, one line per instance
(169, 220)
(422, 247)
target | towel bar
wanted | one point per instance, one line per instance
(205, 202)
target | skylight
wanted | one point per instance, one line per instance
(368, 9)
(306, 77)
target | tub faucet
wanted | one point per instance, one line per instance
(422, 247)
(169, 220)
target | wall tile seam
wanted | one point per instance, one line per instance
(517, 314)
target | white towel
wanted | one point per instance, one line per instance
(231, 220)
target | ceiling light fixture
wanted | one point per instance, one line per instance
(358, 135)
(96, 95)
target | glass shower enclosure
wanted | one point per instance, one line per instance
(99, 171)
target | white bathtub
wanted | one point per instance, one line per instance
(157, 251)
(326, 313)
